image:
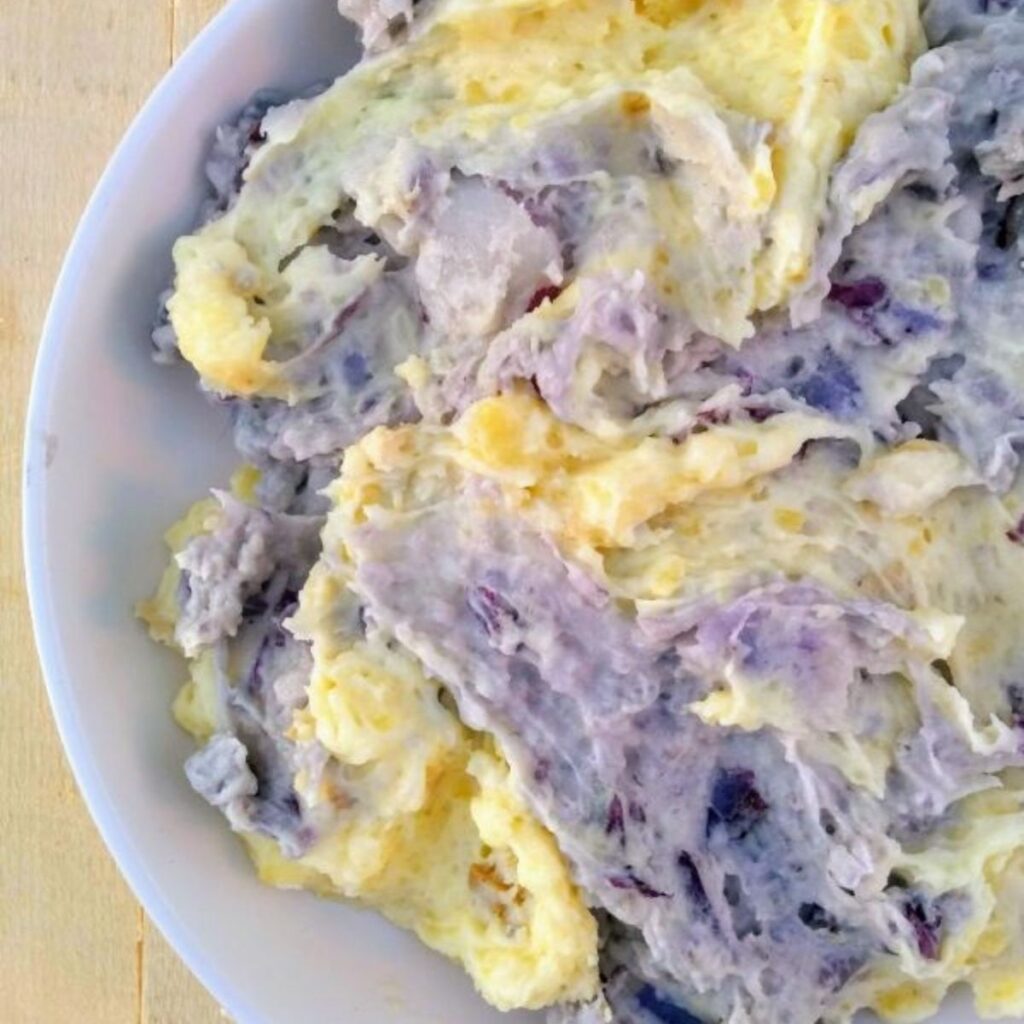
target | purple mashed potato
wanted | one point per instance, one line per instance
(247, 767)
(707, 849)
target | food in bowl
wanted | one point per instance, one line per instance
(621, 584)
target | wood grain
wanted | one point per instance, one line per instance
(75, 948)
(189, 17)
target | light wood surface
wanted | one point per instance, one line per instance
(75, 947)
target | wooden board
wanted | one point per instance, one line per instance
(75, 947)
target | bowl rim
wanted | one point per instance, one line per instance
(70, 281)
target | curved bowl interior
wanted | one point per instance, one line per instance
(117, 447)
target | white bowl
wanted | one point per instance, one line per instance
(117, 447)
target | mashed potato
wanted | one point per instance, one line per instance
(660, 527)
(700, 137)
(426, 824)
(623, 589)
